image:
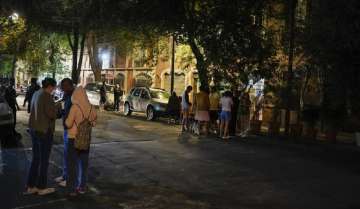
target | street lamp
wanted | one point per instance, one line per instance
(14, 16)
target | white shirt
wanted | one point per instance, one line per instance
(226, 103)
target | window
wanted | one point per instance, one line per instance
(159, 95)
(136, 92)
(91, 87)
(145, 94)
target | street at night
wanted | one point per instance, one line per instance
(181, 104)
(139, 164)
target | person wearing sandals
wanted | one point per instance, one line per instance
(226, 103)
(43, 113)
(81, 109)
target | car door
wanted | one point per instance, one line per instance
(135, 99)
(144, 100)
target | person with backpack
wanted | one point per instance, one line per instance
(81, 119)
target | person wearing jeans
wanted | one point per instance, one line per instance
(81, 109)
(67, 86)
(41, 127)
(41, 147)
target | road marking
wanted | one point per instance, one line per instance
(41, 204)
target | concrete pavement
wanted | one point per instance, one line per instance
(139, 164)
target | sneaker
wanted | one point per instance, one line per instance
(81, 190)
(59, 179)
(31, 190)
(46, 191)
(62, 183)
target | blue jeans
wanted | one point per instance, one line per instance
(41, 149)
(65, 170)
(77, 166)
(65, 154)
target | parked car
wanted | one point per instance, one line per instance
(93, 92)
(151, 101)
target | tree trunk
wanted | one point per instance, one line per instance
(13, 70)
(292, 7)
(81, 55)
(74, 45)
(93, 52)
(200, 63)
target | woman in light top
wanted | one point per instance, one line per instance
(226, 103)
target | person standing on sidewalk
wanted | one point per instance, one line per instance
(67, 87)
(234, 110)
(102, 96)
(117, 96)
(244, 114)
(30, 92)
(81, 110)
(10, 96)
(202, 105)
(173, 108)
(41, 127)
(185, 106)
(214, 99)
(225, 115)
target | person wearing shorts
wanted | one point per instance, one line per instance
(185, 107)
(226, 103)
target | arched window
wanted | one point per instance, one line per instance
(143, 79)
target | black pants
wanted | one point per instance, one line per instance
(116, 104)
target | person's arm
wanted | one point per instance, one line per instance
(50, 108)
(69, 122)
(93, 117)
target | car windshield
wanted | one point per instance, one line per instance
(159, 94)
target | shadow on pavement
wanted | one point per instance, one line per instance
(13, 168)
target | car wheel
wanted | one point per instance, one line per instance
(150, 113)
(127, 110)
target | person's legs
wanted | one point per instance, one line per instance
(72, 164)
(227, 117)
(35, 162)
(84, 161)
(185, 119)
(45, 150)
(65, 154)
(226, 129)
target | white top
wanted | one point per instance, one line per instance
(226, 103)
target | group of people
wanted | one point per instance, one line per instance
(118, 93)
(73, 109)
(226, 115)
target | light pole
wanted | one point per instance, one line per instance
(172, 73)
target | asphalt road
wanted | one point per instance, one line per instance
(136, 164)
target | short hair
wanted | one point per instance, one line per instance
(33, 80)
(67, 80)
(189, 87)
(204, 89)
(48, 82)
